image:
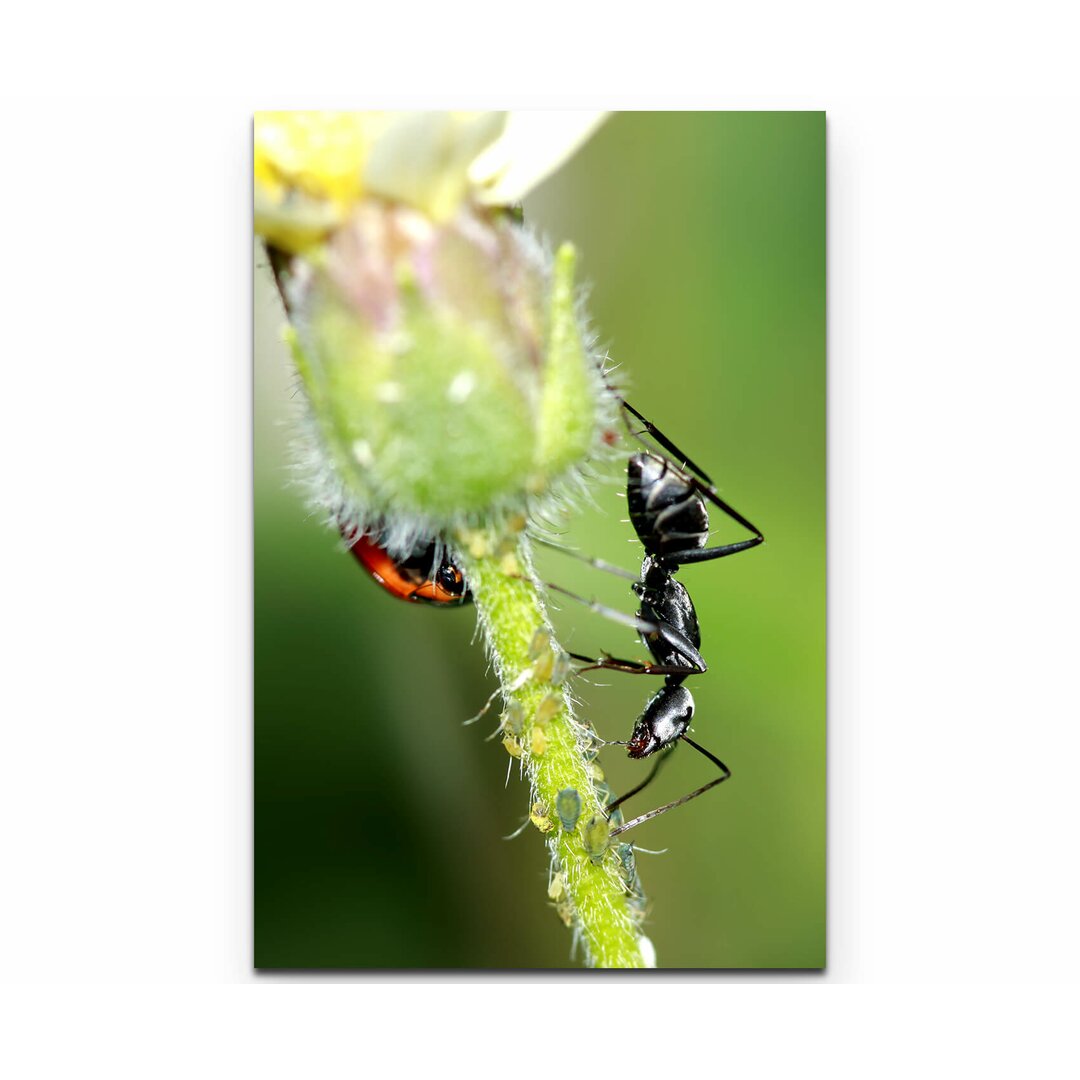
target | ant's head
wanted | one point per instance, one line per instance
(666, 718)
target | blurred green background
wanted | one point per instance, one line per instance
(379, 818)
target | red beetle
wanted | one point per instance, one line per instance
(421, 577)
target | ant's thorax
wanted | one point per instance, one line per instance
(665, 602)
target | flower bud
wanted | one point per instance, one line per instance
(445, 369)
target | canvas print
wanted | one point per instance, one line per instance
(539, 540)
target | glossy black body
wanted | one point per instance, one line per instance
(674, 645)
(666, 604)
(667, 507)
(665, 718)
(666, 511)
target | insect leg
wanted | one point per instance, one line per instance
(686, 798)
(598, 564)
(696, 555)
(704, 485)
(606, 662)
(640, 625)
(713, 496)
(665, 442)
(695, 662)
(641, 787)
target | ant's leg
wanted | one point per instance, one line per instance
(612, 806)
(640, 625)
(713, 496)
(693, 555)
(606, 662)
(679, 642)
(598, 564)
(684, 647)
(685, 799)
(665, 442)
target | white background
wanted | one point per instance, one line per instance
(954, 233)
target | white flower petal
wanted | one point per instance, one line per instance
(313, 168)
(423, 158)
(532, 146)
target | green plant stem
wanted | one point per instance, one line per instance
(556, 750)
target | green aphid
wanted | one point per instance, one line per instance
(557, 888)
(565, 910)
(627, 864)
(548, 709)
(568, 808)
(541, 643)
(560, 668)
(541, 655)
(595, 837)
(543, 666)
(513, 718)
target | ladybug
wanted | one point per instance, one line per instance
(421, 577)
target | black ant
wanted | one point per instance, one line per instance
(667, 509)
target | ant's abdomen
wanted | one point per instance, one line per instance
(666, 512)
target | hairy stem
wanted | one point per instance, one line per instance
(594, 886)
